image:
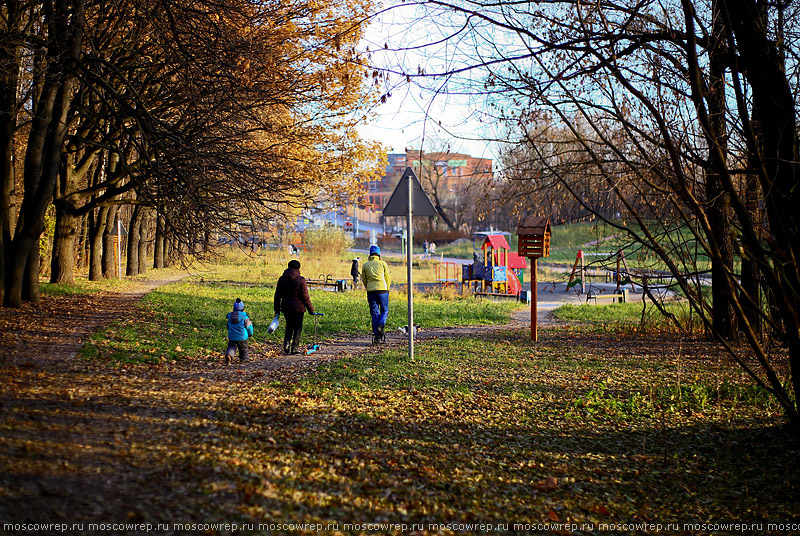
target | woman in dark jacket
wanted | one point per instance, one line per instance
(291, 299)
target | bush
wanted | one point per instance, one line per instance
(328, 240)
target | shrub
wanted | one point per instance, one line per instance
(328, 241)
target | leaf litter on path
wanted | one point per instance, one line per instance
(578, 429)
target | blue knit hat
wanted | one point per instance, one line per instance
(374, 250)
(238, 305)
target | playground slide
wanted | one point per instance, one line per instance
(514, 286)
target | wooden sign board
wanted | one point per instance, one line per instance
(534, 237)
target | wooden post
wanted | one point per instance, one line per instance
(534, 242)
(534, 299)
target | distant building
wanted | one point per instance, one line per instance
(451, 172)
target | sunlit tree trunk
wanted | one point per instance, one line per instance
(45, 143)
(62, 262)
(132, 265)
(96, 228)
(143, 240)
(109, 248)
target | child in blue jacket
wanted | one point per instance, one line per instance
(240, 328)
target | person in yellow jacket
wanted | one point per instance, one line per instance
(376, 279)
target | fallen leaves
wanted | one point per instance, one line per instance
(594, 429)
(548, 484)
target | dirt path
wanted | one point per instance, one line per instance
(50, 334)
(47, 337)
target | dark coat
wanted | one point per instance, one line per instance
(291, 293)
(355, 271)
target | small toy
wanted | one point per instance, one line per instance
(314, 347)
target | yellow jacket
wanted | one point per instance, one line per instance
(375, 274)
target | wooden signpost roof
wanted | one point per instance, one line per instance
(534, 225)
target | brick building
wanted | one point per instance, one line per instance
(447, 172)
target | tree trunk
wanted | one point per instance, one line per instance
(132, 264)
(9, 79)
(30, 279)
(109, 248)
(172, 250)
(45, 144)
(62, 262)
(718, 207)
(143, 240)
(96, 228)
(158, 253)
(765, 71)
(83, 243)
(752, 302)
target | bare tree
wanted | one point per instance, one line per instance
(658, 101)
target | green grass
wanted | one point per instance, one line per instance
(579, 427)
(509, 368)
(624, 316)
(499, 428)
(188, 318)
(82, 285)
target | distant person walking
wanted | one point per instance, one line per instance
(292, 299)
(376, 279)
(355, 271)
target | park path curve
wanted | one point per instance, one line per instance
(49, 335)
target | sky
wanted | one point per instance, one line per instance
(411, 119)
(411, 116)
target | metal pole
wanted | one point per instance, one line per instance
(583, 273)
(534, 299)
(410, 278)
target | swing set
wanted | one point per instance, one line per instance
(578, 276)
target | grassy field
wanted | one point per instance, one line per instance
(187, 319)
(631, 317)
(584, 432)
(498, 429)
(570, 435)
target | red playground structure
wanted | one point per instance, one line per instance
(499, 273)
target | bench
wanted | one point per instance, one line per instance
(496, 294)
(622, 297)
(339, 285)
